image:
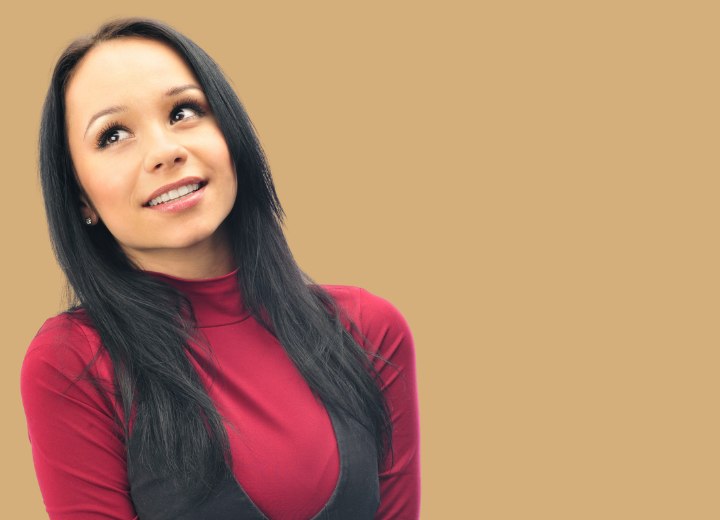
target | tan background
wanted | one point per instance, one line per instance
(533, 185)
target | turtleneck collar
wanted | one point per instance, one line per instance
(216, 301)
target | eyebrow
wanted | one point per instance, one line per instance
(121, 108)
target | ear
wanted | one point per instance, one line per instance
(87, 211)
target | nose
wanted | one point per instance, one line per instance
(164, 153)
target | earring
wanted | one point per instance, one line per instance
(88, 221)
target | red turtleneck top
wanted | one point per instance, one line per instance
(282, 440)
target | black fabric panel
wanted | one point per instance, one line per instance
(356, 495)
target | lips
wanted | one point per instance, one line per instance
(174, 186)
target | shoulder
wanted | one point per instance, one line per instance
(68, 333)
(378, 319)
(369, 308)
(61, 351)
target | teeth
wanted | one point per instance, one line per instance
(174, 194)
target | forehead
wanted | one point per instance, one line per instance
(120, 70)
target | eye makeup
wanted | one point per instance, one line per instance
(191, 103)
(107, 131)
(112, 127)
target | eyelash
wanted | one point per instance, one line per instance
(112, 126)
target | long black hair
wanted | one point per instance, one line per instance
(142, 320)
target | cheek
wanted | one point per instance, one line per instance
(217, 146)
(221, 156)
(107, 187)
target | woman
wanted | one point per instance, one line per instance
(202, 374)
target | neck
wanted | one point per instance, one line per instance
(207, 259)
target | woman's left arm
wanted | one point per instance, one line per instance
(388, 331)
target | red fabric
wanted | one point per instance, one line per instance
(282, 441)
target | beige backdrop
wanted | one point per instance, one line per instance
(532, 185)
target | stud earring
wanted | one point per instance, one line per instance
(88, 221)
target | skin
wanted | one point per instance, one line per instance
(154, 145)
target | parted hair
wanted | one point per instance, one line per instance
(145, 324)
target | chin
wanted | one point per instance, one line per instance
(188, 241)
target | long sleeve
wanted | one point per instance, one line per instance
(388, 331)
(77, 449)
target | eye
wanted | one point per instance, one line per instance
(183, 113)
(112, 134)
(186, 110)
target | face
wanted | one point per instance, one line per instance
(148, 153)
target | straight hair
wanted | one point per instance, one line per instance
(145, 324)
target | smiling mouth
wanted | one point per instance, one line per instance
(176, 194)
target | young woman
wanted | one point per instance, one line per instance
(201, 374)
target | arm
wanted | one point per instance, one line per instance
(388, 331)
(77, 448)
